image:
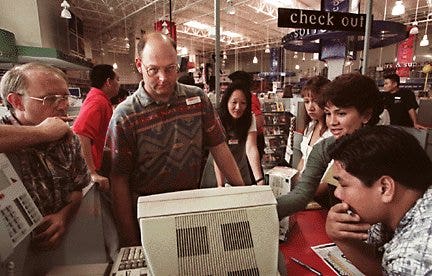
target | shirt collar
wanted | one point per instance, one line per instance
(147, 100)
(420, 204)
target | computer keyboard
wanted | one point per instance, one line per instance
(130, 261)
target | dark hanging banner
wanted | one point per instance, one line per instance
(323, 20)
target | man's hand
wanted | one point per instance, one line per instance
(54, 128)
(101, 181)
(341, 226)
(49, 233)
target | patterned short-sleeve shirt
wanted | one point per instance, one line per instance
(409, 250)
(160, 146)
(50, 171)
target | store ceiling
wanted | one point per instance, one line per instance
(108, 22)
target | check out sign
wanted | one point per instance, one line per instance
(323, 20)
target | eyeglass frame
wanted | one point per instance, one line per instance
(159, 68)
(58, 98)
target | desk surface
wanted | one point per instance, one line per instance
(307, 228)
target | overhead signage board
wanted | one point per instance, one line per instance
(323, 20)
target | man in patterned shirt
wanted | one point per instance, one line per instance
(385, 180)
(158, 136)
(53, 172)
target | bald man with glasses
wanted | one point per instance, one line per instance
(41, 147)
(158, 136)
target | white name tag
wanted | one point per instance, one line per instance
(233, 142)
(193, 100)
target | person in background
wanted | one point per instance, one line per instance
(53, 171)
(350, 102)
(400, 103)
(211, 90)
(157, 135)
(92, 122)
(316, 129)
(239, 123)
(385, 180)
(256, 107)
(186, 79)
(287, 91)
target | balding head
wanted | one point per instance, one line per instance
(155, 37)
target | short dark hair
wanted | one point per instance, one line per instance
(143, 41)
(374, 151)
(393, 77)
(100, 73)
(239, 126)
(354, 90)
(243, 76)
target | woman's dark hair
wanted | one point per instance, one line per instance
(314, 86)
(354, 90)
(241, 125)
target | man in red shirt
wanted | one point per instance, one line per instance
(92, 122)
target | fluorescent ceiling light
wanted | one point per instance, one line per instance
(211, 29)
(399, 8)
(197, 25)
(231, 34)
(280, 3)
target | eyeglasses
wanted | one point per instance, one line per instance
(54, 100)
(153, 70)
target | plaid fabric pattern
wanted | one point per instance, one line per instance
(50, 171)
(409, 250)
(161, 145)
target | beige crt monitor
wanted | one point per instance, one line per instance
(214, 231)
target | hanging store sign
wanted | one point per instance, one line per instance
(324, 20)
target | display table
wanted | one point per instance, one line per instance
(307, 228)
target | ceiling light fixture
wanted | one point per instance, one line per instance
(115, 66)
(267, 47)
(165, 28)
(399, 8)
(230, 9)
(255, 59)
(425, 41)
(126, 39)
(65, 13)
(414, 30)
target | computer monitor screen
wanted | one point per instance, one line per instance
(215, 231)
(75, 91)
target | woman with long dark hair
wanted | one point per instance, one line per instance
(240, 127)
